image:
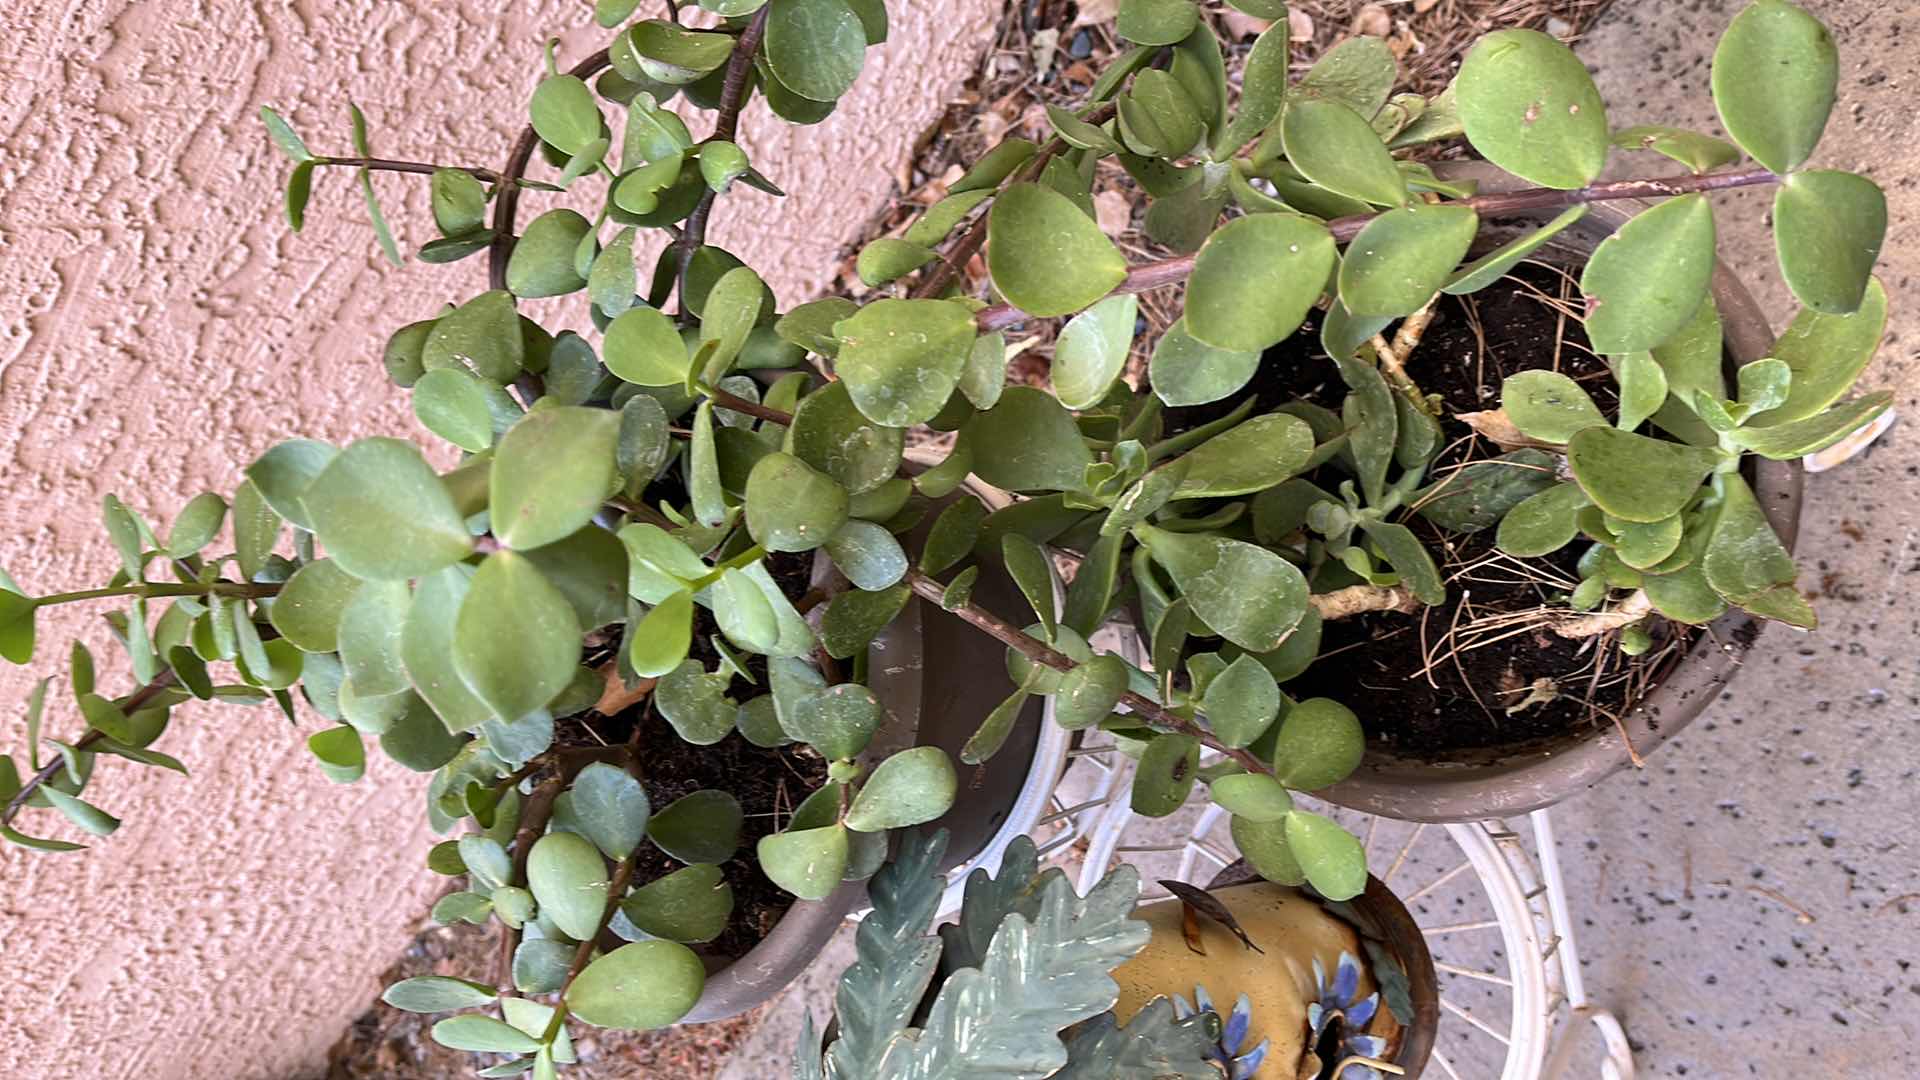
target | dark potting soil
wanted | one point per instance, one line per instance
(1378, 664)
(768, 782)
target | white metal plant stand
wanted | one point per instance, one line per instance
(1491, 901)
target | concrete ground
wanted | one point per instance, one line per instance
(1748, 903)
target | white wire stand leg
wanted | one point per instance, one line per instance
(1495, 916)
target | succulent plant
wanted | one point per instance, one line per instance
(647, 464)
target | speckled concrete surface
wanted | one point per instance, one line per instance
(1748, 902)
(159, 327)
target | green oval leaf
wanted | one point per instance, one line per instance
(566, 114)
(1168, 768)
(1403, 257)
(1092, 349)
(1257, 797)
(542, 263)
(1246, 458)
(815, 47)
(1187, 371)
(1635, 477)
(1331, 858)
(1529, 106)
(644, 347)
(1089, 692)
(283, 474)
(791, 506)
(1264, 845)
(661, 640)
(1241, 702)
(483, 1034)
(569, 879)
(808, 863)
(516, 640)
(638, 987)
(452, 404)
(1548, 406)
(690, 905)
(1336, 148)
(1156, 22)
(1697, 152)
(437, 993)
(1027, 442)
(700, 827)
(1255, 279)
(1247, 594)
(307, 611)
(1775, 73)
(902, 359)
(912, 787)
(382, 513)
(1827, 229)
(1046, 256)
(1544, 522)
(830, 433)
(611, 808)
(1644, 282)
(551, 473)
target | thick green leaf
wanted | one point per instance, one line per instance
(1320, 743)
(342, 757)
(1264, 845)
(382, 513)
(1643, 388)
(1635, 477)
(1548, 406)
(1241, 702)
(437, 993)
(1336, 148)
(838, 721)
(1089, 692)
(482, 335)
(427, 649)
(1092, 350)
(1494, 265)
(1529, 106)
(830, 433)
(417, 740)
(196, 526)
(483, 1034)
(1775, 73)
(452, 403)
(1263, 90)
(1644, 545)
(1255, 279)
(889, 259)
(856, 617)
(1479, 495)
(1187, 371)
(1247, 594)
(1697, 152)
(611, 808)
(700, 827)
(569, 879)
(1544, 522)
(1246, 458)
(638, 987)
(1331, 858)
(690, 905)
(1827, 229)
(1257, 797)
(1827, 353)
(1644, 282)
(307, 611)
(902, 359)
(1027, 442)
(665, 52)
(808, 863)
(1744, 558)
(516, 640)
(791, 506)
(1409, 558)
(283, 474)
(1403, 257)
(911, 787)
(552, 472)
(1168, 769)
(1784, 442)
(1359, 71)
(815, 47)
(369, 638)
(1046, 256)
(566, 115)
(868, 554)
(661, 640)
(1156, 22)
(645, 348)
(542, 263)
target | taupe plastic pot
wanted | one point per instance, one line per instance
(937, 678)
(1520, 779)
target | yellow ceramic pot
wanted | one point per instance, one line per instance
(1293, 928)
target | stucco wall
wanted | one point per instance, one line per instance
(160, 326)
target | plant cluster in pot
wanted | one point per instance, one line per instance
(673, 539)
(1032, 980)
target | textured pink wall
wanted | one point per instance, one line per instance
(159, 326)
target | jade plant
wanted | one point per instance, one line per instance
(1020, 985)
(640, 471)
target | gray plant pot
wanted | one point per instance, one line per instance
(1502, 783)
(937, 678)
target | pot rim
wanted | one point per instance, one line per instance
(1542, 776)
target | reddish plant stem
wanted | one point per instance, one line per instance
(1039, 652)
(485, 176)
(724, 400)
(726, 124)
(507, 203)
(1173, 271)
(135, 701)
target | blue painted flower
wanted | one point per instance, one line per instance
(1233, 1032)
(1340, 1003)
